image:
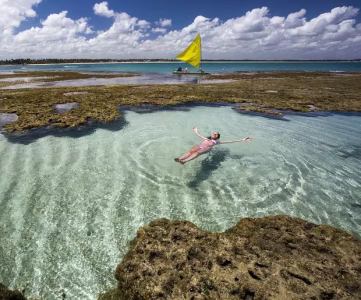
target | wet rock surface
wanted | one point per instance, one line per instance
(75, 93)
(253, 92)
(6, 294)
(259, 109)
(65, 107)
(276, 257)
(6, 118)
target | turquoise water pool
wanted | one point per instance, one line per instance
(69, 206)
(213, 67)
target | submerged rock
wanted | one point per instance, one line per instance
(312, 107)
(253, 108)
(6, 294)
(7, 119)
(275, 257)
(75, 93)
(65, 107)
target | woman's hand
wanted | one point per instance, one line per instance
(195, 129)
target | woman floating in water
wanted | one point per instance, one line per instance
(207, 144)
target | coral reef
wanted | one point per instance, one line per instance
(6, 294)
(277, 257)
(267, 93)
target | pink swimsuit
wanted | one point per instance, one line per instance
(206, 145)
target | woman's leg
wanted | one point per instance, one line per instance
(190, 157)
(189, 153)
(186, 155)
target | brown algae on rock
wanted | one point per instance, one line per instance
(7, 294)
(276, 257)
(49, 76)
(296, 92)
(75, 93)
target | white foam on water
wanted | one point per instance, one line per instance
(70, 206)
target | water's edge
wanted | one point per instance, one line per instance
(118, 124)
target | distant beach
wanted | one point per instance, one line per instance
(166, 67)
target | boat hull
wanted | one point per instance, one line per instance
(190, 73)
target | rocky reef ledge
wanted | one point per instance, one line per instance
(277, 257)
(6, 294)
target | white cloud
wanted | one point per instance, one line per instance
(58, 34)
(319, 24)
(159, 30)
(13, 12)
(254, 21)
(295, 19)
(56, 27)
(122, 20)
(143, 24)
(164, 22)
(255, 35)
(101, 9)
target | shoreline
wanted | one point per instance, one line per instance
(270, 94)
(179, 62)
(205, 61)
(33, 134)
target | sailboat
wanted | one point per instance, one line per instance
(192, 55)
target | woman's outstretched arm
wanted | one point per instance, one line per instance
(195, 130)
(246, 140)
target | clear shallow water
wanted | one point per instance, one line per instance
(69, 206)
(146, 78)
(213, 67)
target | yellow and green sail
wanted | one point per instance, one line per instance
(192, 55)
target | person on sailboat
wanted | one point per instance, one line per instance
(205, 146)
(192, 55)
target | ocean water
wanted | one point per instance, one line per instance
(69, 206)
(213, 67)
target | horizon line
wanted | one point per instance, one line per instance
(157, 59)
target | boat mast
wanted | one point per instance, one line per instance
(200, 62)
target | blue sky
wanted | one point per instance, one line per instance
(182, 13)
(159, 29)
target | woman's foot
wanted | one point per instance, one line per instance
(178, 160)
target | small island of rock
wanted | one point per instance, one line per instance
(276, 257)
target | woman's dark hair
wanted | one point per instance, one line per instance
(218, 137)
